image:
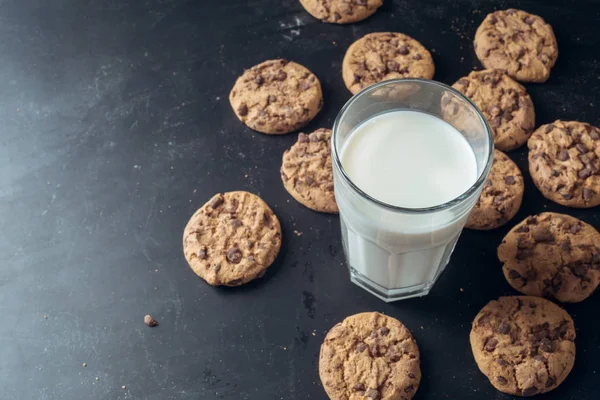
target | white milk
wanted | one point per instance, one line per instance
(413, 160)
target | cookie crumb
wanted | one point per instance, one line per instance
(97, 378)
(297, 233)
(123, 387)
(148, 320)
(45, 317)
(84, 365)
(462, 290)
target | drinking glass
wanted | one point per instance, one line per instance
(395, 252)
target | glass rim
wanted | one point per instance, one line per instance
(480, 179)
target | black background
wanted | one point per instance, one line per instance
(115, 127)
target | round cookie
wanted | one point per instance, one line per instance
(552, 255)
(501, 196)
(504, 103)
(524, 345)
(232, 239)
(370, 356)
(564, 162)
(341, 11)
(521, 44)
(307, 173)
(381, 56)
(276, 97)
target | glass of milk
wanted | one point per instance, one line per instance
(410, 158)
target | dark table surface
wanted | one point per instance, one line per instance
(116, 127)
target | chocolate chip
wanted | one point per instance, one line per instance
(234, 255)
(522, 228)
(393, 66)
(490, 345)
(236, 223)
(268, 219)
(337, 16)
(217, 267)
(588, 193)
(151, 322)
(259, 80)
(565, 245)
(501, 362)
(567, 196)
(529, 20)
(549, 382)
(384, 331)
(493, 19)
(302, 138)
(359, 387)
(202, 254)
(232, 206)
(403, 50)
(580, 270)
(507, 116)
(501, 380)
(271, 99)
(509, 180)
(412, 376)
(504, 328)
(547, 346)
(575, 228)
(495, 122)
(511, 11)
(531, 221)
(585, 173)
(530, 391)
(540, 358)
(514, 274)
(494, 109)
(372, 394)
(243, 110)
(409, 389)
(305, 85)
(594, 134)
(542, 235)
(281, 76)
(563, 155)
(417, 57)
(522, 254)
(309, 180)
(581, 147)
(361, 347)
(234, 282)
(549, 128)
(216, 201)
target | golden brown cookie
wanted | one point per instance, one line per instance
(501, 196)
(341, 11)
(524, 345)
(552, 255)
(232, 239)
(307, 173)
(564, 162)
(521, 44)
(276, 97)
(370, 356)
(504, 103)
(382, 56)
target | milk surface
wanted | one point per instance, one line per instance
(408, 159)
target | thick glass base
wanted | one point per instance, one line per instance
(389, 295)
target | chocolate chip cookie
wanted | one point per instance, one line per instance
(276, 97)
(232, 239)
(504, 103)
(370, 356)
(307, 173)
(341, 11)
(564, 162)
(524, 345)
(521, 44)
(501, 196)
(552, 255)
(382, 56)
